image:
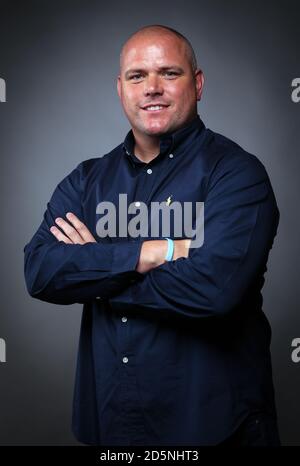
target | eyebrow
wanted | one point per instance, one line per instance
(162, 68)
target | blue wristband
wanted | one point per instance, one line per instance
(170, 250)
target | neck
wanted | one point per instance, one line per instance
(146, 148)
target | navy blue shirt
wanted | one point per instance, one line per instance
(179, 355)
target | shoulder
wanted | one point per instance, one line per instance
(227, 159)
(91, 165)
(91, 168)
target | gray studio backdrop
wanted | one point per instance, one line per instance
(59, 61)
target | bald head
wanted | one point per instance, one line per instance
(159, 83)
(157, 30)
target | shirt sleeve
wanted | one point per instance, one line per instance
(68, 273)
(240, 223)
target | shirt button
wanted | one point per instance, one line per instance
(137, 204)
(124, 319)
(149, 171)
(125, 360)
(171, 156)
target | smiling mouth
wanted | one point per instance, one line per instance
(154, 108)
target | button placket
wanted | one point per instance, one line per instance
(160, 176)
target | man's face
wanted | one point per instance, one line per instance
(157, 86)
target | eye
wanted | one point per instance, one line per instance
(136, 77)
(170, 74)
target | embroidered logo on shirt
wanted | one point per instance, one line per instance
(169, 200)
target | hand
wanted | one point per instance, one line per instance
(153, 253)
(76, 234)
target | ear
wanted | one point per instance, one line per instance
(199, 80)
(119, 86)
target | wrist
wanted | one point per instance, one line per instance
(170, 250)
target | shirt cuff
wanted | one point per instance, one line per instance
(126, 256)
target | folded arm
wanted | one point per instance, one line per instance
(66, 271)
(240, 223)
(65, 264)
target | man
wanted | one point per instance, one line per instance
(174, 347)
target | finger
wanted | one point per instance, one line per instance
(69, 231)
(60, 236)
(81, 228)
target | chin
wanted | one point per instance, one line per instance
(156, 129)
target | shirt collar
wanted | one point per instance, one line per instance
(168, 142)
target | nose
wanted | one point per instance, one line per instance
(153, 85)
